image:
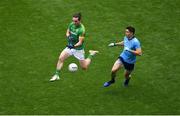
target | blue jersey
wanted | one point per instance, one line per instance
(132, 44)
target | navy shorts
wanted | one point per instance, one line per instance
(127, 66)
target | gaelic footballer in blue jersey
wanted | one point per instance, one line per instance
(127, 58)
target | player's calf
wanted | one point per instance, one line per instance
(85, 63)
(127, 76)
(84, 67)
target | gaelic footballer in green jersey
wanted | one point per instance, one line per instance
(75, 46)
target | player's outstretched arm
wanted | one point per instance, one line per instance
(116, 44)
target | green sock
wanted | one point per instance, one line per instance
(90, 56)
(57, 72)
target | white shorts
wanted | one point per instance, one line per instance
(79, 54)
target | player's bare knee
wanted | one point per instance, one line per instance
(113, 71)
(126, 74)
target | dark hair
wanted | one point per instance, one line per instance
(131, 29)
(77, 15)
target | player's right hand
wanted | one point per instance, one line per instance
(112, 45)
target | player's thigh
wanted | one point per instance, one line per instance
(128, 69)
(79, 54)
(64, 54)
(117, 65)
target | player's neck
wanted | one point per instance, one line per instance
(131, 37)
(78, 25)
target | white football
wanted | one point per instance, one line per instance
(73, 67)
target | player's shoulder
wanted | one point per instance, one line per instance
(125, 38)
(70, 24)
(136, 41)
(82, 27)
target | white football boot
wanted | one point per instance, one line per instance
(54, 78)
(93, 52)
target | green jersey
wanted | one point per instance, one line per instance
(75, 33)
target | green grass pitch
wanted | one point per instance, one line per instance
(32, 34)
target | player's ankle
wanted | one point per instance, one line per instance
(112, 81)
(57, 72)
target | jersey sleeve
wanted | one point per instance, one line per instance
(137, 44)
(82, 32)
